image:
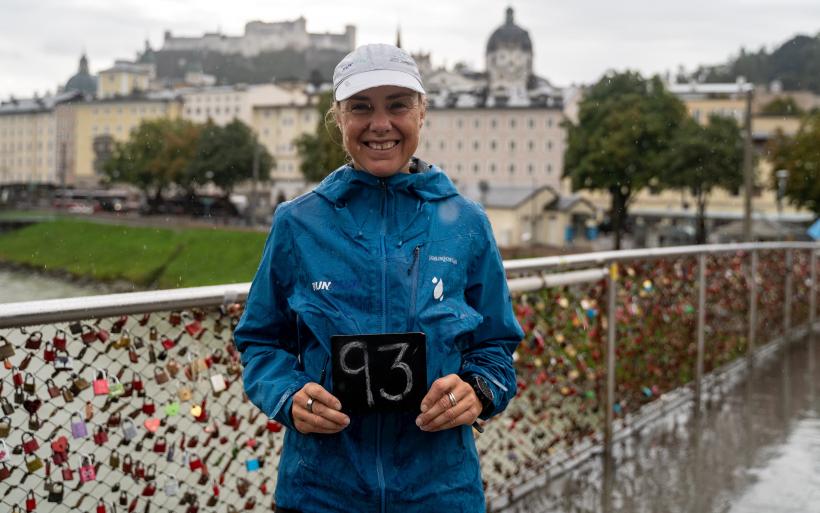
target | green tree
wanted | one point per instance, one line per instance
(156, 155)
(782, 106)
(625, 127)
(702, 158)
(800, 156)
(225, 156)
(321, 152)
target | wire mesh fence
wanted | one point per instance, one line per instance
(146, 412)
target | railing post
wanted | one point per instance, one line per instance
(701, 327)
(612, 298)
(752, 305)
(813, 291)
(787, 300)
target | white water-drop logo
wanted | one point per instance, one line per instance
(438, 292)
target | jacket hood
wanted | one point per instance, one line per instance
(429, 185)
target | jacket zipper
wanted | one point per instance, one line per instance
(379, 467)
(413, 271)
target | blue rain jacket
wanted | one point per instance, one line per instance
(360, 254)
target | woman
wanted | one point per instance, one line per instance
(385, 244)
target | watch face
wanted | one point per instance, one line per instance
(484, 388)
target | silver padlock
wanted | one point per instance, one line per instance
(171, 486)
(129, 430)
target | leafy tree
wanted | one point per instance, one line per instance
(156, 155)
(224, 156)
(625, 127)
(782, 106)
(702, 158)
(800, 156)
(321, 152)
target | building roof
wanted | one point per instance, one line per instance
(509, 35)
(82, 81)
(36, 104)
(503, 196)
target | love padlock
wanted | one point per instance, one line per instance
(87, 472)
(101, 386)
(79, 429)
(129, 430)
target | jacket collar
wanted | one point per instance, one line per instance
(428, 185)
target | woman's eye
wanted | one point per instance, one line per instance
(399, 107)
(360, 108)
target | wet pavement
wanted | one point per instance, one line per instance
(755, 448)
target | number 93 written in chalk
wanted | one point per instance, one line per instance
(379, 373)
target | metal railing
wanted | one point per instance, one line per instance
(592, 323)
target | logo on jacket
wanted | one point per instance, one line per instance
(438, 291)
(321, 285)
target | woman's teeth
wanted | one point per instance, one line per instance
(382, 146)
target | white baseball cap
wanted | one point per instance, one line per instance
(372, 66)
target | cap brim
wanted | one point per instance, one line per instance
(361, 81)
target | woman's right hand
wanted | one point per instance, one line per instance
(326, 417)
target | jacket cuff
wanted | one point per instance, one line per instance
(472, 370)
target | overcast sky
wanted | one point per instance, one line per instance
(574, 41)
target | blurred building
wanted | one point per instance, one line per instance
(262, 37)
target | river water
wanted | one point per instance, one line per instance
(23, 286)
(755, 450)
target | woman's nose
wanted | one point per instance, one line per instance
(380, 122)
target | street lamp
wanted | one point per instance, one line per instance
(782, 176)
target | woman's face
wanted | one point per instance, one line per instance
(380, 128)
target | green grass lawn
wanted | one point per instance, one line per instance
(148, 257)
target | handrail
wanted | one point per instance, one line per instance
(602, 257)
(78, 308)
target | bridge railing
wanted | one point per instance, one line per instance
(607, 335)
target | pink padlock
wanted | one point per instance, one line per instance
(87, 472)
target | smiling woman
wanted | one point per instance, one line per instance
(379, 326)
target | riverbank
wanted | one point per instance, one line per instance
(147, 257)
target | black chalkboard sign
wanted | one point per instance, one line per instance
(376, 373)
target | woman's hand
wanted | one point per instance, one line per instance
(438, 411)
(325, 417)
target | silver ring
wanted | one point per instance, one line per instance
(452, 397)
(309, 405)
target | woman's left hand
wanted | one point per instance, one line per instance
(438, 410)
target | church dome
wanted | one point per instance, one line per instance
(82, 81)
(509, 35)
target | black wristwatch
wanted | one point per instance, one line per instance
(483, 391)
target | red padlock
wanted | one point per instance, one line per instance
(49, 355)
(103, 336)
(68, 474)
(195, 463)
(101, 507)
(139, 470)
(16, 377)
(273, 426)
(59, 340)
(30, 445)
(31, 501)
(136, 383)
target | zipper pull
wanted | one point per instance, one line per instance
(415, 259)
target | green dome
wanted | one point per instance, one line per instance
(83, 81)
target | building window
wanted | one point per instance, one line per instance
(512, 145)
(458, 168)
(426, 145)
(492, 145)
(512, 168)
(476, 123)
(549, 169)
(549, 145)
(475, 145)
(531, 123)
(459, 123)
(493, 123)
(530, 168)
(492, 168)
(549, 123)
(475, 168)
(441, 145)
(512, 123)
(458, 145)
(531, 145)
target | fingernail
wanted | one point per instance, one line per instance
(338, 406)
(423, 408)
(347, 421)
(418, 421)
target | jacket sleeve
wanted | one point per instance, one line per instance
(266, 334)
(495, 339)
